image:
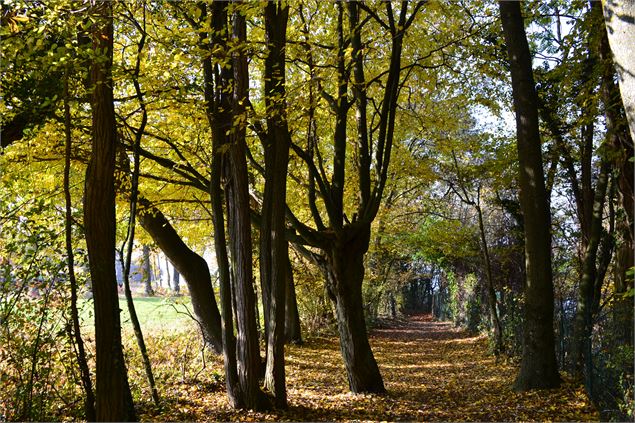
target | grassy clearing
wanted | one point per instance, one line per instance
(156, 314)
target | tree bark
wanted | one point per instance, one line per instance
(344, 271)
(147, 271)
(620, 29)
(619, 17)
(217, 82)
(539, 368)
(193, 267)
(76, 335)
(274, 254)
(113, 397)
(292, 329)
(176, 282)
(239, 226)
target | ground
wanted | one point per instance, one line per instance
(432, 371)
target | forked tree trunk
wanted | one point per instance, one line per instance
(113, 397)
(344, 271)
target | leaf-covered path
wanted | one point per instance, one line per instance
(432, 371)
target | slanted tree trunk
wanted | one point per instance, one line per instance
(344, 273)
(292, 329)
(113, 397)
(539, 368)
(193, 267)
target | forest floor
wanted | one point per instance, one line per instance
(432, 372)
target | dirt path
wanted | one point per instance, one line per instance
(432, 372)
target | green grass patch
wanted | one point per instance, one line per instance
(156, 314)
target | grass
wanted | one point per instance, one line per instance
(156, 314)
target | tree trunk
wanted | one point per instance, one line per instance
(113, 397)
(274, 254)
(217, 91)
(620, 29)
(499, 346)
(539, 368)
(193, 267)
(344, 271)
(176, 282)
(583, 324)
(292, 329)
(619, 17)
(168, 274)
(147, 271)
(239, 228)
(623, 307)
(76, 335)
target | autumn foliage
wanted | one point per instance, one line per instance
(432, 370)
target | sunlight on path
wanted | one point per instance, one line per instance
(432, 371)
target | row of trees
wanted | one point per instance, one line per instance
(279, 123)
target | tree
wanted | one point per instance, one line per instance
(539, 368)
(618, 17)
(113, 397)
(274, 254)
(344, 242)
(147, 270)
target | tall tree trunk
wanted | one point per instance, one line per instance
(217, 90)
(76, 338)
(274, 254)
(113, 397)
(539, 368)
(620, 29)
(344, 271)
(292, 329)
(193, 267)
(147, 271)
(239, 226)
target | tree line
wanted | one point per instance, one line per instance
(291, 127)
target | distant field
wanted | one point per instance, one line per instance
(156, 314)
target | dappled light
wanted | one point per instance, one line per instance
(433, 371)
